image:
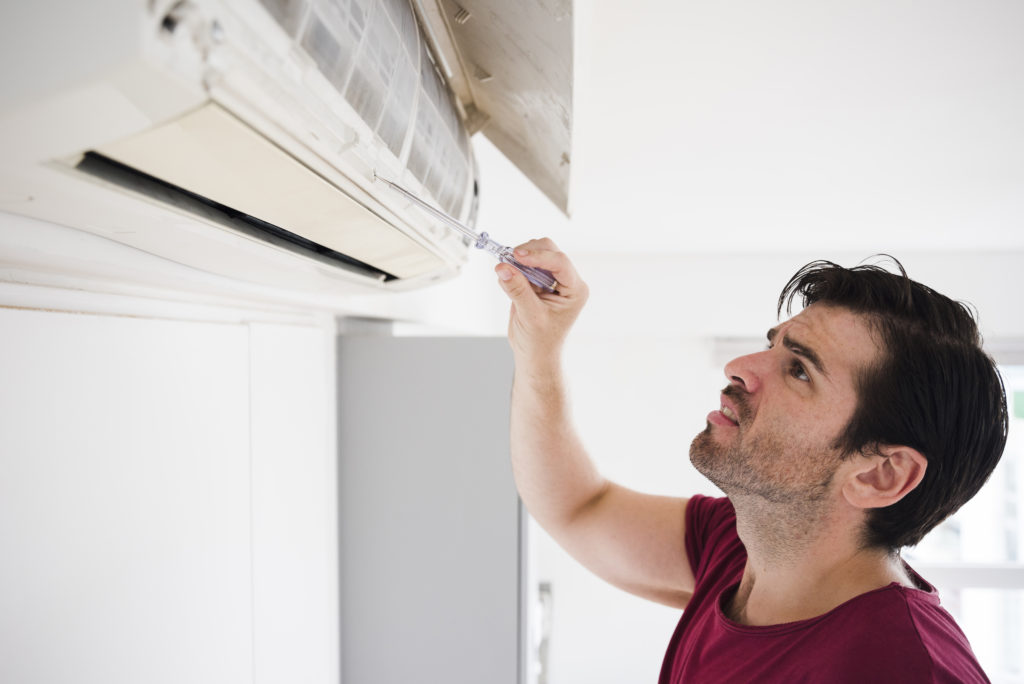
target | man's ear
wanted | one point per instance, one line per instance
(885, 477)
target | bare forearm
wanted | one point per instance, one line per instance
(555, 477)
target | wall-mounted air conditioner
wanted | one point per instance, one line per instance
(237, 136)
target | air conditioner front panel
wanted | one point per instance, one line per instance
(213, 154)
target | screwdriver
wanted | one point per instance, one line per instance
(538, 276)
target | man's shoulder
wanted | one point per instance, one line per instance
(882, 636)
(898, 631)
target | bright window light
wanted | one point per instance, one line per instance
(975, 558)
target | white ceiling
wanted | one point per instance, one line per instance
(865, 125)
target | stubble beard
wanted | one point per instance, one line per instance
(767, 466)
(779, 483)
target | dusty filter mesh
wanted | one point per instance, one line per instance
(375, 56)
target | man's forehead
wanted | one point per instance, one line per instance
(840, 337)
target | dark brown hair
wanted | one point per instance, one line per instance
(932, 389)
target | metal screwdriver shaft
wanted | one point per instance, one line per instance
(538, 276)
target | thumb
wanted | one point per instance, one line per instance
(516, 286)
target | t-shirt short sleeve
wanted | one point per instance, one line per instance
(709, 521)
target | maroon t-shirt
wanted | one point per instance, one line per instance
(892, 634)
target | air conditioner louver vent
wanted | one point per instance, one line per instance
(132, 179)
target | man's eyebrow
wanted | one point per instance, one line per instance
(800, 350)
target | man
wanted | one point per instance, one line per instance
(872, 416)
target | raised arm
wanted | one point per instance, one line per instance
(632, 540)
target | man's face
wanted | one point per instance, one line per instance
(785, 407)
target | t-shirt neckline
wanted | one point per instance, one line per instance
(923, 591)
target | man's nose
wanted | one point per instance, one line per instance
(747, 371)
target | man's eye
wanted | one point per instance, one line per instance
(797, 371)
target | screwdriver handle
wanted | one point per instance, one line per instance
(540, 277)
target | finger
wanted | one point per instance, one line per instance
(556, 262)
(540, 244)
(517, 287)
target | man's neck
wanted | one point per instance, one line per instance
(803, 560)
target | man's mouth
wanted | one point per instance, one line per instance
(732, 406)
(724, 417)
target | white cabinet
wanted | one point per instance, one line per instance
(124, 500)
(167, 499)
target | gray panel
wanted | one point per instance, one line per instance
(429, 516)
